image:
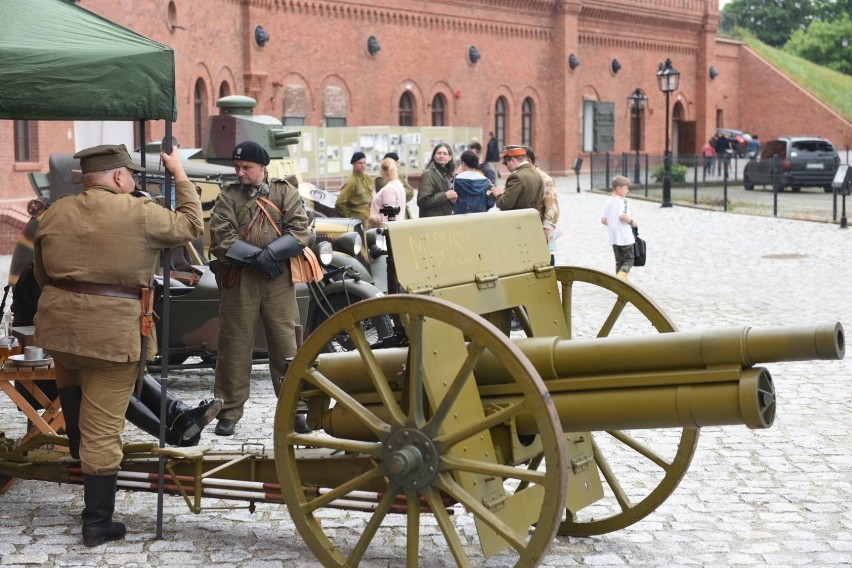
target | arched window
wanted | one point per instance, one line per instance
(500, 121)
(406, 109)
(527, 122)
(439, 105)
(200, 111)
(224, 90)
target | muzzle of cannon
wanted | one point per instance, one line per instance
(685, 379)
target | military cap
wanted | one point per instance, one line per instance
(392, 155)
(251, 152)
(357, 156)
(106, 157)
(510, 151)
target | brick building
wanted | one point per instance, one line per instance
(555, 74)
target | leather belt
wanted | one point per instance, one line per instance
(93, 289)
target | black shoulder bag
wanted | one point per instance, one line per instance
(639, 249)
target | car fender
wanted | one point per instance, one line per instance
(339, 260)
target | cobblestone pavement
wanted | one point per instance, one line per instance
(780, 497)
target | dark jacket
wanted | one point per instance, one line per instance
(432, 198)
(473, 195)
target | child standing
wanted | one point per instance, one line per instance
(619, 222)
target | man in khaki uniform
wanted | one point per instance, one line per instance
(356, 195)
(524, 188)
(93, 254)
(255, 227)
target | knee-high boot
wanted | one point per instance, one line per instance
(184, 424)
(99, 498)
(146, 420)
(70, 399)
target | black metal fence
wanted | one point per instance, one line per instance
(708, 179)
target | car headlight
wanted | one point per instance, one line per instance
(349, 243)
(323, 252)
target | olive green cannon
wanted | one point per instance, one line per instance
(580, 421)
(528, 432)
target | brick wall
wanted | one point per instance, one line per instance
(773, 105)
(317, 61)
(12, 220)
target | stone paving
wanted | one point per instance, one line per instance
(780, 497)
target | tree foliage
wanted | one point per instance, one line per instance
(772, 21)
(822, 43)
(818, 27)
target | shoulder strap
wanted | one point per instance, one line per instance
(241, 215)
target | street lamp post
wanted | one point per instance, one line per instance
(637, 101)
(668, 78)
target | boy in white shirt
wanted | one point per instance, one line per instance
(619, 222)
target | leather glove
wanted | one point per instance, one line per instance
(265, 262)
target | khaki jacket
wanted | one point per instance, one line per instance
(524, 189)
(104, 237)
(226, 228)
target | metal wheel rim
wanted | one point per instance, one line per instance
(478, 332)
(675, 468)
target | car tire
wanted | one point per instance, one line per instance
(748, 185)
(796, 188)
(827, 189)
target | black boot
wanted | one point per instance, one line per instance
(190, 421)
(184, 423)
(146, 420)
(70, 399)
(99, 497)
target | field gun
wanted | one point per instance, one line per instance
(576, 424)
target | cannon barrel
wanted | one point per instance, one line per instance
(683, 379)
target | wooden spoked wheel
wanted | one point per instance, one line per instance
(639, 468)
(415, 444)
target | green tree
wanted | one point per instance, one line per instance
(774, 21)
(823, 43)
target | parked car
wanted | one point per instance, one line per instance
(803, 161)
(742, 143)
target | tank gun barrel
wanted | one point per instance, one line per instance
(671, 380)
(278, 137)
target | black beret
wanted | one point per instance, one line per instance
(251, 152)
(105, 157)
(392, 156)
(357, 156)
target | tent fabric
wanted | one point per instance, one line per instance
(59, 61)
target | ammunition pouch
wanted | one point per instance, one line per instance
(228, 274)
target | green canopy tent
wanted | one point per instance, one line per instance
(61, 62)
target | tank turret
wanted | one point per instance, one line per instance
(236, 122)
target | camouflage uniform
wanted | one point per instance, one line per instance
(355, 197)
(550, 210)
(252, 294)
(103, 237)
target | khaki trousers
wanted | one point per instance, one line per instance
(253, 297)
(107, 387)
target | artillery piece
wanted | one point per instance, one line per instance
(570, 427)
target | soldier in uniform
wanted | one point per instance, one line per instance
(93, 255)
(255, 227)
(524, 188)
(550, 206)
(357, 193)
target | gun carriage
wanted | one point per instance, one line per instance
(568, 426)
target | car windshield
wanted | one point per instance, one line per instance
(812, 146)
